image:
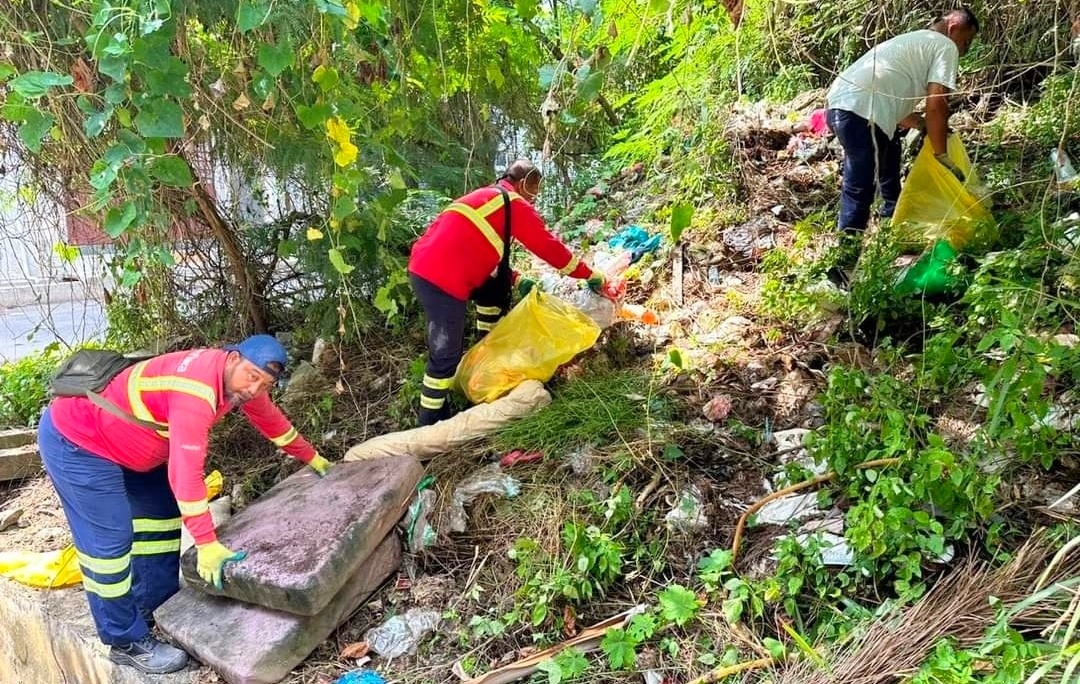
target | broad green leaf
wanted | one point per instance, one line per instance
(160, 119)
(95, 123)
(170, 170)
(527, 9)
(34, 84)
(6, 71)
(170, 78)
(131, 277)
(589, 89)
(494, 75)
(547, 75)
(34, 129)
(343, 206)
(385, 302)
(553, 671)
(67, 253)
(114, 66)
(275, 59)
(117, 219)
(313, 117)
(395, 180)
(678, 604)
(587, 7)
(331, 7)
(681, 214)
(339, 262)
(251, 14)
(620, 649)
(326, 77)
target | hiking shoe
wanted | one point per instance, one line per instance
(150, 656)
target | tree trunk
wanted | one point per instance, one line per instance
(254, 301)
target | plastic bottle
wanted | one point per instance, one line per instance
(1063, 166)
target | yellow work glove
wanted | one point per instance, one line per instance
(212, 558)
(320, 465)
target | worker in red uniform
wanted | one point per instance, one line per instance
(463, 255)
(128, 466)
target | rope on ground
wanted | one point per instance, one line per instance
(721, 672)
(805, 484)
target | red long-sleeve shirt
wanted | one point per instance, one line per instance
(184, 390)
(457, 256)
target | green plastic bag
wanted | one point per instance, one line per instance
(931, 274)
(934, 205)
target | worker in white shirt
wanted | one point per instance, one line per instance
(874, 98)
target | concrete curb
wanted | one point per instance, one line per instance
(55, 641)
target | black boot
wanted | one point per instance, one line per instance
(150, 656)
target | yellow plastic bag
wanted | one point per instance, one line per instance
(934, 205)
(57, 569)
(49, 570)
(540, 334)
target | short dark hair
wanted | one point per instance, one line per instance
(966, 17)
(522, 169)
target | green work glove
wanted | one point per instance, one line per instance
(596, 282)
(212, 558)
(944, 160)
(320, 465)
(525, 285)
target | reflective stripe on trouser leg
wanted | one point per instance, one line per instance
(91, 491)
(445, 337)
(487, 317)
(155, 553)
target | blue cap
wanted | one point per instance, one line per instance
(263, 351)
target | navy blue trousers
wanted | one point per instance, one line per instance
(871, 161)
(446, 338)
(126, 529)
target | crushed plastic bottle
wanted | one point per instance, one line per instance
(401, 634)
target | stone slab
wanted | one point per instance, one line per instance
(48, 636)
(17, 437)
(249, 644)
(18, 463)
(306, 536)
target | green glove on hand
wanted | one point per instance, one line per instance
(320, 465)
(525, 285)
(944, 160)
(212, 558)
(596, 282)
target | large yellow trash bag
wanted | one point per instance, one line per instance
(540, 334)
(57, 569)
(934, 205)
(50, 570)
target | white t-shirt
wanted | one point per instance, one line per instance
(884, 85)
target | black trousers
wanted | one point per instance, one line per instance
(445, 316)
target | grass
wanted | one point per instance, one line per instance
(587, 411)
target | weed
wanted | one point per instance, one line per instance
(587, 411)
(24, 387)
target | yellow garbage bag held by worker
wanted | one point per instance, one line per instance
(934, 205)
(540, 334)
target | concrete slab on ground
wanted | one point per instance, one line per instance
(17, 437)
(18, 463)
(48, 637)
(249, 644)
(307, 536)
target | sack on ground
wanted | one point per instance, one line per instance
(934, 205)
(540, 334)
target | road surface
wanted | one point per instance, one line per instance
(28, 329)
